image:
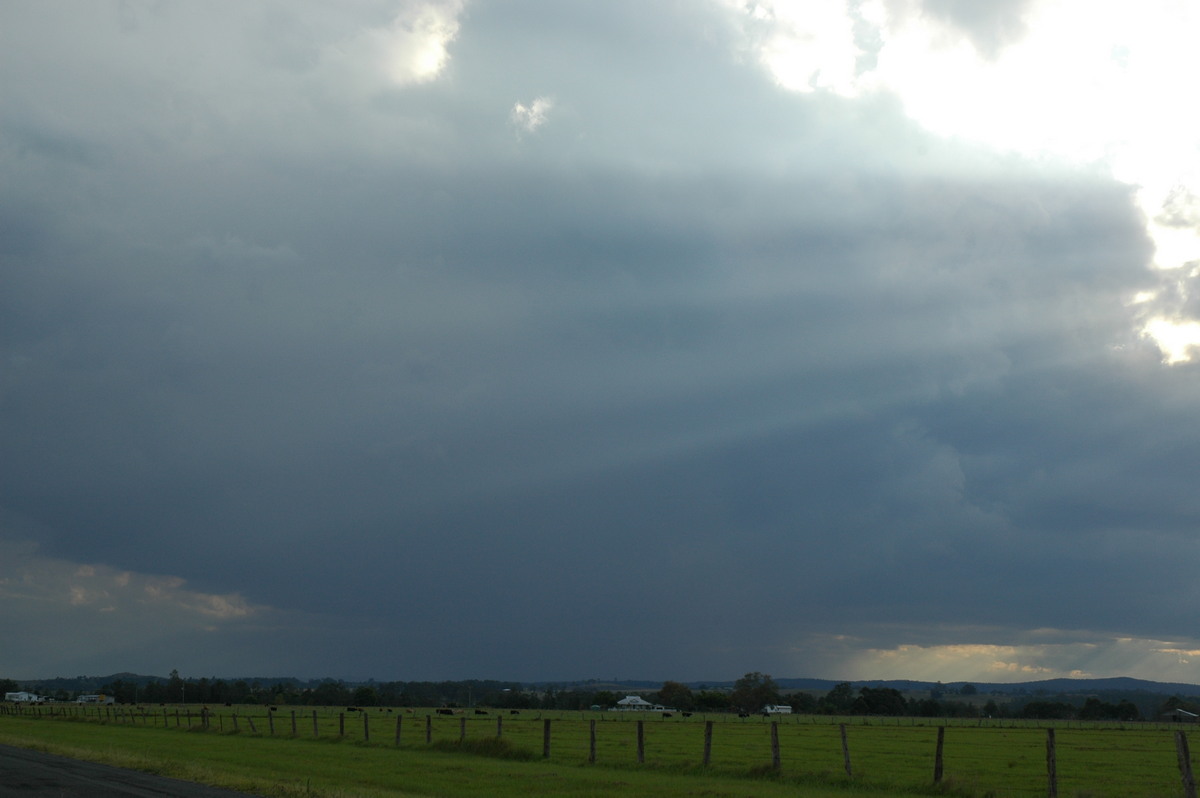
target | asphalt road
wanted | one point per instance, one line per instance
(26, 773)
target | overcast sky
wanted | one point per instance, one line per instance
(525, 339)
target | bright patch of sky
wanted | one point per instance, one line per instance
(415, 44)
(528, 118)
(1104, 83)
(1031, 660)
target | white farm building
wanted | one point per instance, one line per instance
(22, 697)
(635, 703)
(95, 699)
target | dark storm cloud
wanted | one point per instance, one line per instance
(691, 374)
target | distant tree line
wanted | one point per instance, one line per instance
(755, 690)
(750, 693)
(328, 692)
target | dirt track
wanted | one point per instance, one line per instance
(26, 773)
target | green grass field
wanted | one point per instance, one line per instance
(888, 756)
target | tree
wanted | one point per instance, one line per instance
(1048, 710)
(330, 693)
(838, 700)
(879, 701)
(679, 696)
(927, 708)
(754, 691)
(1127, 710)
(712, 700)
(365, 696)
(802, 702)
(175, 690)
(605, 698)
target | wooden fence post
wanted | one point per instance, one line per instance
(546, 738)
(399, 720)
(366, 726)
(1185, 765)
(428, 729)
(250, 720)
(845, 749)
(592, 741)
(462, 728)
(641, 742)
(708, 726)
(271, 721)
(1051, 765)
(316, 732)
(776, 762)
(293, 723)
(499, 727)
(937, 756)
(341, 724)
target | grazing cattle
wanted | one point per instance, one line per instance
(687, 714)
(666, 714)
(481, 712)
(514, 712)
(409, 711)
(352, 709)
(743, 714)
(445, 711)
(273, 709)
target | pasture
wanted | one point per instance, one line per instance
(335, 752)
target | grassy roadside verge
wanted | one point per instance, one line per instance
(343, 769)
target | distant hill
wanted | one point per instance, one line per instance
(86, 684)
(1119, 684)
(1122, 684)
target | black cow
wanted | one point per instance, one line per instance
(666, 714)
(445, 711)
(687, 714)
(481, 712)
(514, 712)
